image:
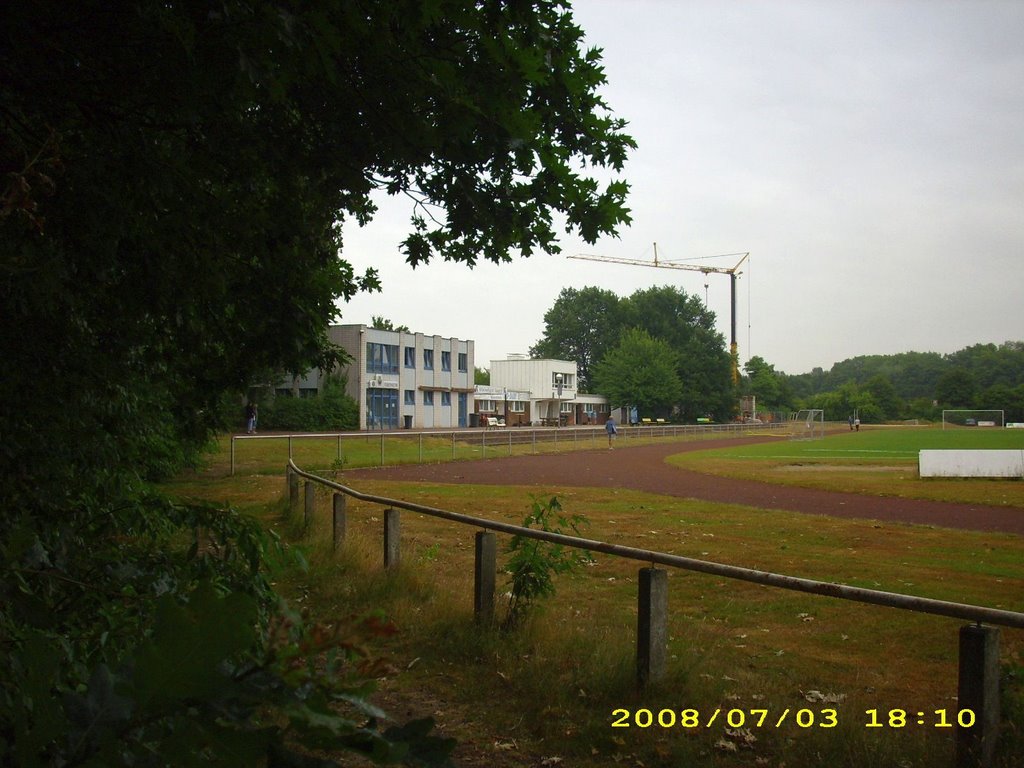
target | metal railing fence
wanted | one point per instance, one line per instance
(978, 672)
(382, 448)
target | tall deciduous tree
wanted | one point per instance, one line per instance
(175, 180)
(581, 326)
(584, 324)
(765, 384)
(640, 371)
(956, 388)
(688, 327)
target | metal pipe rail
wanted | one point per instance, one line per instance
(506, 439)
(967, 612)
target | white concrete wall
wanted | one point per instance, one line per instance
(971, 463)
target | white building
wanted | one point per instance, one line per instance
(401, 380)
(545, 393)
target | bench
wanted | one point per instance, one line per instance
(646, 422)
(494, 421)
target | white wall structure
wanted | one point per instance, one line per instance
(541, 378)
(402, 379)
(971, 463)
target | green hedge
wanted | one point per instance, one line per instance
(332, 410)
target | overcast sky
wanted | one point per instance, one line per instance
(868, 155)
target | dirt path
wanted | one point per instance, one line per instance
(643, 468)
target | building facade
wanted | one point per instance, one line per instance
(401, 380)
(545, 394)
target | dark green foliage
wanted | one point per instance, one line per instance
(149, 635)
(918, 385)
(640, 372)
(174, 184)
(533, 564)
(771, 388)
(331, 410)
(582, 325)
(586, 325)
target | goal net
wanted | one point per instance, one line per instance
(808, 424)
(956, 418)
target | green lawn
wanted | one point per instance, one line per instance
(876, 461)
(552, 688)
(878, 444)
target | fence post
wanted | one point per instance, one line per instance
(392, 536)
(484, 576)
(978, 691)
(232, 455)
(651, 626)
(339, 519)
(310, 507)
(293, 491)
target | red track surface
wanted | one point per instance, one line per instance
(643, 468)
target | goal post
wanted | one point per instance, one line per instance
(954, 418)
(808, 424)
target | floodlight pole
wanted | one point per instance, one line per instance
(558, 406)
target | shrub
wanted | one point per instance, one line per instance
(146, 633)
(533, 563)
(331, 410)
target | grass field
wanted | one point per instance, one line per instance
(548, 691)
(873, 461)
(270, 452)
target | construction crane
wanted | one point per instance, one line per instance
(733, 272)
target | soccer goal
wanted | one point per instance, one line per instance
(808, 424)
(956, 418)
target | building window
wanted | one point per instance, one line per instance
(446, 399)
(410, 397)
(566, 380)
(566, 407)
(446, 361)
(463, 362)
(428, 359)
(518, 406)
(485, 406)
(410, 357)
(428, 398)
(381, 358)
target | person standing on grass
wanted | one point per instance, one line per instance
(250, 418)
(609, 427)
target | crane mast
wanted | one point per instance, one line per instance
(733, 272)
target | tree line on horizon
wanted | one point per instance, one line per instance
(658, 350)
(906, 385)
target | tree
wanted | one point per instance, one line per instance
(383, 324)
(771, 389)
(883, 393)
(956, 388)
(179, 171)
(640, 371)
(703, 364)
(581, 326)
(176, 180)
